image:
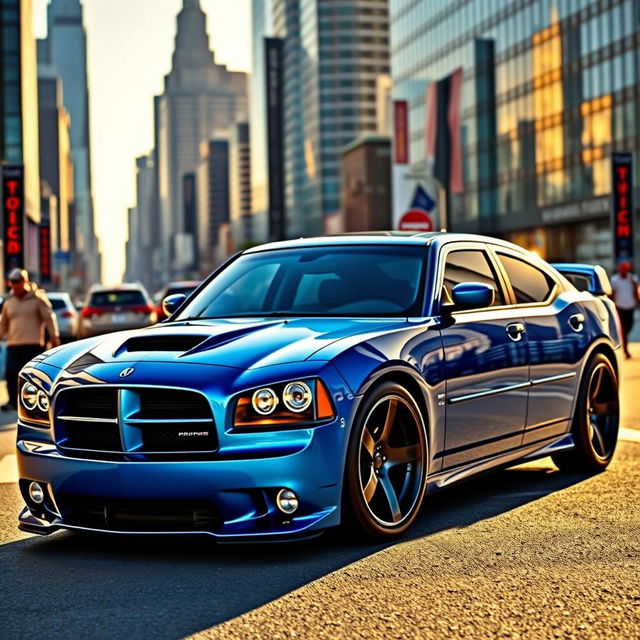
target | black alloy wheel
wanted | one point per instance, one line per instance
(596, 420)
(386, 463)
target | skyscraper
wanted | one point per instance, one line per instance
(200, 99)
(19, 136)
(334, 51)
(65, 49)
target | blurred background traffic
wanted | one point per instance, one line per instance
(146, 141)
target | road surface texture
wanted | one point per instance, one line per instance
(523, 553)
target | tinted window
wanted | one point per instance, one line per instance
(57, 303)
(469, 266)
(116, 298)
(529, 283)
(316, 281)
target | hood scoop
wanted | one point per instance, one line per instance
(164, 343)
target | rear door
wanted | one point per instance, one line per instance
(486, 362)
(557, 342)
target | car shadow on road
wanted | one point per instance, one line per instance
(69, 585)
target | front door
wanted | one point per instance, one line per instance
(486, 365)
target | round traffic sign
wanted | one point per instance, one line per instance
(415, 220)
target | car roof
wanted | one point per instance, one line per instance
(382, 238)
(58, 294)
(125, 286)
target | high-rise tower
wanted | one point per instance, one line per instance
(201, 98)
(66, 51)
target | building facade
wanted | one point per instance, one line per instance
(19, 138)
(366, 184)
(200, 99)
(550, 90)
(240, 203)
(65, 50)
(56, 171)
(334, 51)
(261, 28)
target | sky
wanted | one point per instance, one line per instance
(130, 43)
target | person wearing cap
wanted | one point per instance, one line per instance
(626, 294)
(25, 315)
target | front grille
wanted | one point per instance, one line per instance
(142, 422)
(173, 404)
(135, 514)
(178, 437)
(92, 402)
(92, 436)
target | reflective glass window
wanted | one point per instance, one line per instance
(469, 266)
(528, 282)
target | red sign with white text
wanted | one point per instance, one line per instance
(622, 211)
(13, 205)
(416, 220)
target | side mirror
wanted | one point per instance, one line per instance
(171, 303)
(472, 295)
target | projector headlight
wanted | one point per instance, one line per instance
(29, 396)
(286, 404)
(34, 403)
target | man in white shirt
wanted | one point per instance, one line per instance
(625, 295)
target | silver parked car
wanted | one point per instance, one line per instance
(106, 309)
(66, 315)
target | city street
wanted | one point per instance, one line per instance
(524, 553)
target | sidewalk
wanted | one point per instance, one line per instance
(8, 417)
(629, 388)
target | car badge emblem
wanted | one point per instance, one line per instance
(126, 372)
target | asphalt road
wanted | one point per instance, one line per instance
(523, 553)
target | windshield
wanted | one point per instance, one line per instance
(356, 281)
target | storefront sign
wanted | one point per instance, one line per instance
(622, 212)
(13, 205)
(45, 253)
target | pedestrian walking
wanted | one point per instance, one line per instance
(626, 293)
(26, 314)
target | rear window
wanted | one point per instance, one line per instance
(529, 283)
(116, 298)
(58, 303)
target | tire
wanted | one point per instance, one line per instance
(595, 421)
(386, 467)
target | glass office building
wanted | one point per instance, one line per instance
(334, 51)
(550, 90)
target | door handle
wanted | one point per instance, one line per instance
(576, 321)
(515, 331)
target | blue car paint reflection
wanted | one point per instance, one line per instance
(486, 399)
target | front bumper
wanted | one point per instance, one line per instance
(230, 496)
(241, 493)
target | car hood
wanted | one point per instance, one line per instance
(242, 344)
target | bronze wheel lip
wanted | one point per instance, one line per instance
(379, 454)
(593, 427)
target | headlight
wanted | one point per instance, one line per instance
(264, 401)
(42, 400)
(29, 396)
(34, 403)
(297, 396)
(303, 402)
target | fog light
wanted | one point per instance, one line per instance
(36, 493)
(287, 501)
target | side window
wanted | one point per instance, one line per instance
(528, 282)
(469, 266)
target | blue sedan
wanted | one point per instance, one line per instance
(318, 382)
